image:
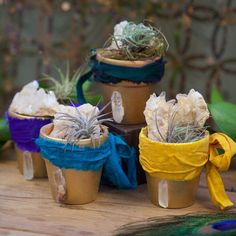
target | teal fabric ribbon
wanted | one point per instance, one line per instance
(121, 155)
(111, 155)
(73, 157)
(108, 73)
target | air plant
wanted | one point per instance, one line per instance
(179, 133)
(186, 134)
(64, 86)
(137, 42)
(78, 127)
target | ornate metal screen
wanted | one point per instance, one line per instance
(35, 35)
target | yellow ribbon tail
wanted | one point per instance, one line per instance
(219, 162)
(216, 188)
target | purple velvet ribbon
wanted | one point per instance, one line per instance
(24, 132)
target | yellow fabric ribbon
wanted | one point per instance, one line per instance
(185, 161)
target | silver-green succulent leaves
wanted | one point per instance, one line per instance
(79, 126)
(137, 42)
(182, 133)
(64, 86)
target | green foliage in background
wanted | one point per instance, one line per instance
(223, 114)
(4, 132)
(64, 85)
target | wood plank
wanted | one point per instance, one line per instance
(10, 232)
(27, 207)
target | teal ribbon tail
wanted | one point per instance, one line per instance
(131, 163)
(120, 168)
(79, 86)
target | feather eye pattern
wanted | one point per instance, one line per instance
(223, 224)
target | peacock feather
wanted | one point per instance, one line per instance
(204, 224)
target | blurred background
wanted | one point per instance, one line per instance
(35, 36)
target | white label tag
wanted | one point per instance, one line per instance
(163, 193)
(28, 169)
(60, 184)
(117, 107)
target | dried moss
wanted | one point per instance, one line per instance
(138, 42)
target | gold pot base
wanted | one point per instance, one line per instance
(81, 187)
(171, 194)
(39, 168)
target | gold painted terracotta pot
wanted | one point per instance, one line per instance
(73, 186)
(172, 169)
(170, 193)
(133, 95)
(30, 162)
(39, 167)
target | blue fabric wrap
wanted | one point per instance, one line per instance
(110, 155)
(108, 73)
(73, 157)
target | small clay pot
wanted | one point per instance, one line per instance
(31, 164)
(71, 186)
(133, 95)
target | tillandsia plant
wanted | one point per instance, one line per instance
(176, 122)
(181, 133)
(132, 41)
(83, 122)
(64, 86)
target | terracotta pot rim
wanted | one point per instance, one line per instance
(23, 116)
(80, 143)
(127, 63)
(129, 84)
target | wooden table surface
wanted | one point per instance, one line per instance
(26, 207)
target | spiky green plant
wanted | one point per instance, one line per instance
(138, 42)
(179, 133)
(81, 127)
(64, 86)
